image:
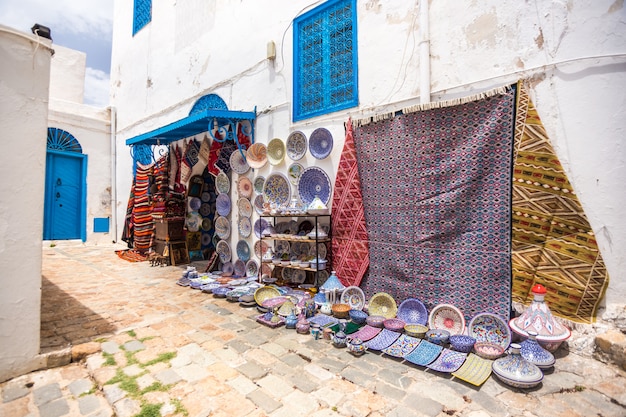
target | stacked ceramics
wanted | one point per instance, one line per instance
(516, 371)
(538, 318)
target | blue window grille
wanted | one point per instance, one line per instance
(142, 14)
(325, 64)
(60, 140)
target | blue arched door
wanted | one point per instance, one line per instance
(65, 194)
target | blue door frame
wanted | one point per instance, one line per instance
(65, 205)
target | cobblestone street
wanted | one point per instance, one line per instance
(151, 348)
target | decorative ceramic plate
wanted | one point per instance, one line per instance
(206, 239)
(475, 370)
(323, 320)
(296, 145)
(281, 246)
(366, 333)
(257, 155)
(448, 361)
(223, 250)
(243, 251)
(298, 276)
(264, 293)
(487, 327)
(245, 227)
(207, 225)
(240, 270)
(383, 304)
(260, 247)
(321, 250)
(424, 354)
(222, 204)
(266, 269)
(447, 317)
(252, 268)
(259, 226)
(205, 197)
(227, 269)
(222, 227)
(245, 207)
(238, 162)
(244, 187)
(222, 183)
(294, 171)
(258, 184)
(322, 277)
(205, 210)
(258, 203)
(383, 340)
(314, 182)
(194, 203)
(402, 347)
(413, 311)
(275, 151)
(277, 190)
(320, 143)
(299, 248)
(354, 297)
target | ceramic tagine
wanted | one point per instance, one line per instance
(534, 353)
(538, 318)
(516, 371)
(332, 290)
(356, 346)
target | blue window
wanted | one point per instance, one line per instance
(325, 64)
(142, 14)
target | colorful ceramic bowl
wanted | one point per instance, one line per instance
(415, 330)
(462, 343)
(375, 321)
(341, 311)
(488, 350)
(395, 325)
(438, 336)
(358, 316)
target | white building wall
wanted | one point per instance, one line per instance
(24, 81)
(571, 51)
(67, 74)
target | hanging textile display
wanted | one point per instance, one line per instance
(436, 190)
(143, 224)
(350, 247)
(553, 244)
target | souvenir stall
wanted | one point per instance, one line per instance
(176, 212)
(443, 218)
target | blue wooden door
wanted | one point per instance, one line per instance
(65, 199)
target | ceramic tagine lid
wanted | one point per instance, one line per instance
(516, 371)
(332, 284)
(534, 353)
(538, 318)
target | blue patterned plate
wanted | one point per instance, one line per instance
(296, 145)
(412, 311)
(238, 162)
(222, 204)
(245, 227)
(383, 340)
(258, 203)
(402, 347)
(259, 226)
(252, 268)
(425, 353)
(321, 143)
(222, 227)
(488, 327)
(277, 190)
(448, 361)
(239, 269)
(243, 251)
(223, 250)
(314, 182)
(323, 320)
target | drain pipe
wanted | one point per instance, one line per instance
(424, 53)
(113, 115)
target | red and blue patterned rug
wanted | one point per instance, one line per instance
(436, 188)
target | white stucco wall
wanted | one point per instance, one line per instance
(24, 81)
(195, 48)
(67, 74)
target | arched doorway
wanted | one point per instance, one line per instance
(66, 186)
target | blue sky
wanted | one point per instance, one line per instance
(84, 25)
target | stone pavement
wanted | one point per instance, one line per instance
(143, 346)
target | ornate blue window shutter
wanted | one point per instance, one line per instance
(325, 64)
(142, 14)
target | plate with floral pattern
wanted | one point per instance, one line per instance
(448, 361)
(402, 347)
(244, 187)
(245, 227)
(222, 227)
(447, 317)
(245, 207)
(258, 184)
(277, 190)
(320, 143)
(223, 250)
(314, 182)
(223, 204)
(243, 251)
(354, 297)
(488, 327)
(222, 183)
(252, 268)
(258, 204)
(260, 247)
(296, 145)
(294, 171)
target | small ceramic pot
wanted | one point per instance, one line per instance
(339, 339)
(356, 346)
(462, 343)
(438, 336)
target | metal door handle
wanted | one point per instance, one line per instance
(58, 195)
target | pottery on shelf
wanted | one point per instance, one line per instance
(538, 318)
(532, 351)
(516, 371)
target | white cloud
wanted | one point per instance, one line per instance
(71, 16)
(96, 87)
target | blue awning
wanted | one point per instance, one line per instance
(190, 126)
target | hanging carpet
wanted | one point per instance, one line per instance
(350, 247)
(143, 224)
(437, 197)
(553, 243)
